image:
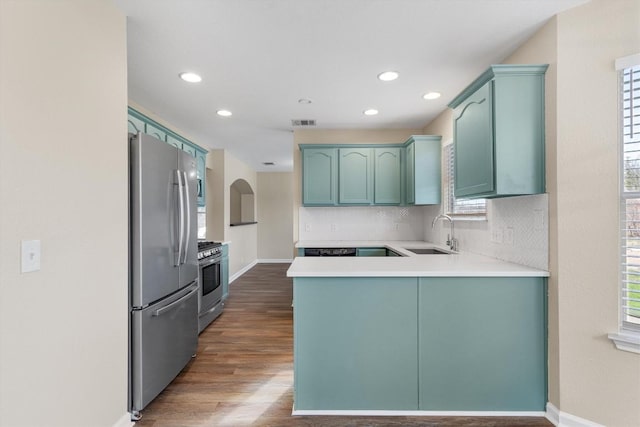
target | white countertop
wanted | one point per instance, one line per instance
(409, 265)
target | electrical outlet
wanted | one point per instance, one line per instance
(307, 227)
(496, 236)
(396, 226)
(334, 227)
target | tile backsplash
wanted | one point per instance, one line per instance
(516, 230)
(361, 223)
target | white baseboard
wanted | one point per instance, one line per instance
(275, 261)
(124, 421)
(421, 413)
(563, 419)
(553, 414)
(242, 271)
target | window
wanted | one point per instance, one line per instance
(471, 208)
(628, 338)
(630, 196)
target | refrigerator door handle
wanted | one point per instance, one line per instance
(188, 218)
(181, 203)
(168, 307)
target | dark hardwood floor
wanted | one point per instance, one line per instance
(243, 372)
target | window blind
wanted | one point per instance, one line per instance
(630, 197)
(453, 206)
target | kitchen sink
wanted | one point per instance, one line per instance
(427, 251)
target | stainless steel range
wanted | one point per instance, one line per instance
(210, 302)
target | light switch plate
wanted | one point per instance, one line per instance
(30, 259)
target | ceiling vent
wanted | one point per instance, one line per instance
(303, 122)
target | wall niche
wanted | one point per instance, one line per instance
(242, 203)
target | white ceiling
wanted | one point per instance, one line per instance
(258, 57)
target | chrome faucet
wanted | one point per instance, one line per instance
(452, 242)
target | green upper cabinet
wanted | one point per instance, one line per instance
(355, 176)
(319, 176)
(372, 174)
(410, 173)
(499, 133)
(135, 125)
(201, 159)
(176, 143)
(156, 131)
(138, 122)
(423, 170)
(387, 183)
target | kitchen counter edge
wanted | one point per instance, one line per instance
(461, 264)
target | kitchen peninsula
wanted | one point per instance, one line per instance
(438, 333)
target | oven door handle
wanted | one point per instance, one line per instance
(208, 262)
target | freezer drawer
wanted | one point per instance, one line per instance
(163, 340)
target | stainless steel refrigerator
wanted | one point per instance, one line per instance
(163, 312)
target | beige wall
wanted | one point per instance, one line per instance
(63, 180)
(275, 217)
(223, 169)
(597, 382)
(337, 136)
(215, 196)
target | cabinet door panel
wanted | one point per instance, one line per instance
(356, 176)
(482, 344)
(189, 149)
(474, 144)
(319, 175)
(387, 176)
(175, 142)
(135, 125)
(411, 159)
(355, 343)
(157, 132)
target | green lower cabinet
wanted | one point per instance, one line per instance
(355, 343)
(482, 344)
(224, 271)
(430, 344)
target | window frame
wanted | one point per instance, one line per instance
(628, 336)
(450, 203)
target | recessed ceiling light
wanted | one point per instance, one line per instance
(388, 76)
(370, 112)
(304, 101)
(224, 113)
(431, 95)
(190, 77)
